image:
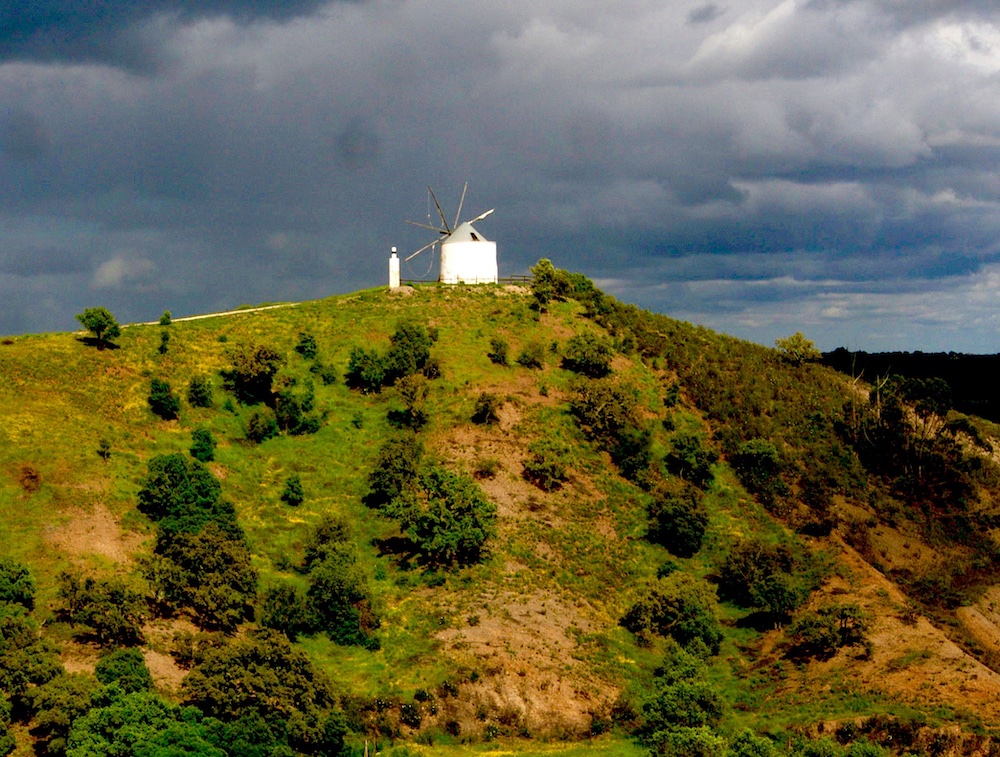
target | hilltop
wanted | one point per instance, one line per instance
(480, 513)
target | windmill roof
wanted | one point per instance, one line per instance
(465, 232)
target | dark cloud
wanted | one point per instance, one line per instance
(22, 136)
(704, 14)
(117, 32)
(761, 166)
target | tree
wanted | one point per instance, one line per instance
(202, 445)
(101, 323)
(293, 494)
(165, 319)
(498, 351)
(680, 606)
(261, 673)
(126, 668)
(162, 401)
(339, 598)
(759, 465)
(306, 346)
(16, 584)
(678, 521)
(409, 351)
(454, 522)
(212, 574)
(56, 704)
(487, 410)
(142, 724)
(589, 355)
(262, 424)
(284, 608)
(252, 373)
(797, 349)
(832, 627)
(691, 458)
(183, 495)
(200, 392)
(112, 609)
(762, 576)
(413, 391)
(395, 470)
(366, 371)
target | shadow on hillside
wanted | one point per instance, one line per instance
(401, 550)
(100, 344)
(762, 621)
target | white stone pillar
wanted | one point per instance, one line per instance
(393, 270)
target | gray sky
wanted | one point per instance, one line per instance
(757, 166)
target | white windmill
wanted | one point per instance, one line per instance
(467, 257)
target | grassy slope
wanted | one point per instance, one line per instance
(535, 626)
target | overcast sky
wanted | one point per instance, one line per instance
(757, 166)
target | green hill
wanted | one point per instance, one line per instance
(471, 514)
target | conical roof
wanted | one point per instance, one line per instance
(464, 232)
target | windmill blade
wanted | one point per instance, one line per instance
(481, 216)
(440, 212)
(461, 203)
(427, 226)
(431, 244)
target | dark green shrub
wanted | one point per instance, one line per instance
(339, 597)
(758, 464)
(209, 571)
(183, 495)
(677, 520)
(455, 520)
(409, 351)
(306, 346)
(690, 458)
(762, 576)
(284, 608)
(104, 449)
(395, 470)
(487, 410)
(366, 371)
(113, 610)
(413, 392)
(199, 392)
(251, 376)
(127, 668)
(293, 494)
(165, 319)
(261, 426)
(608, 413)
(164, 342)
(498, 351)
(292, 410)
(202, 445)
(532, 355)
(822, 633)
(589, 355)
(162, 401)
(16, 584)
(327, 373)
(679, 606)
(545, 468)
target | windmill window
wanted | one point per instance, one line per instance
(474, 237)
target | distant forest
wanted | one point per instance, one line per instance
(972, 378)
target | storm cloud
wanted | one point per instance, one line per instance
(759, 166)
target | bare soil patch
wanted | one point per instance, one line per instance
(523, 649)
(94, 533)
(912, 662)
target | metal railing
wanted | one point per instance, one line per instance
(519, 279)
